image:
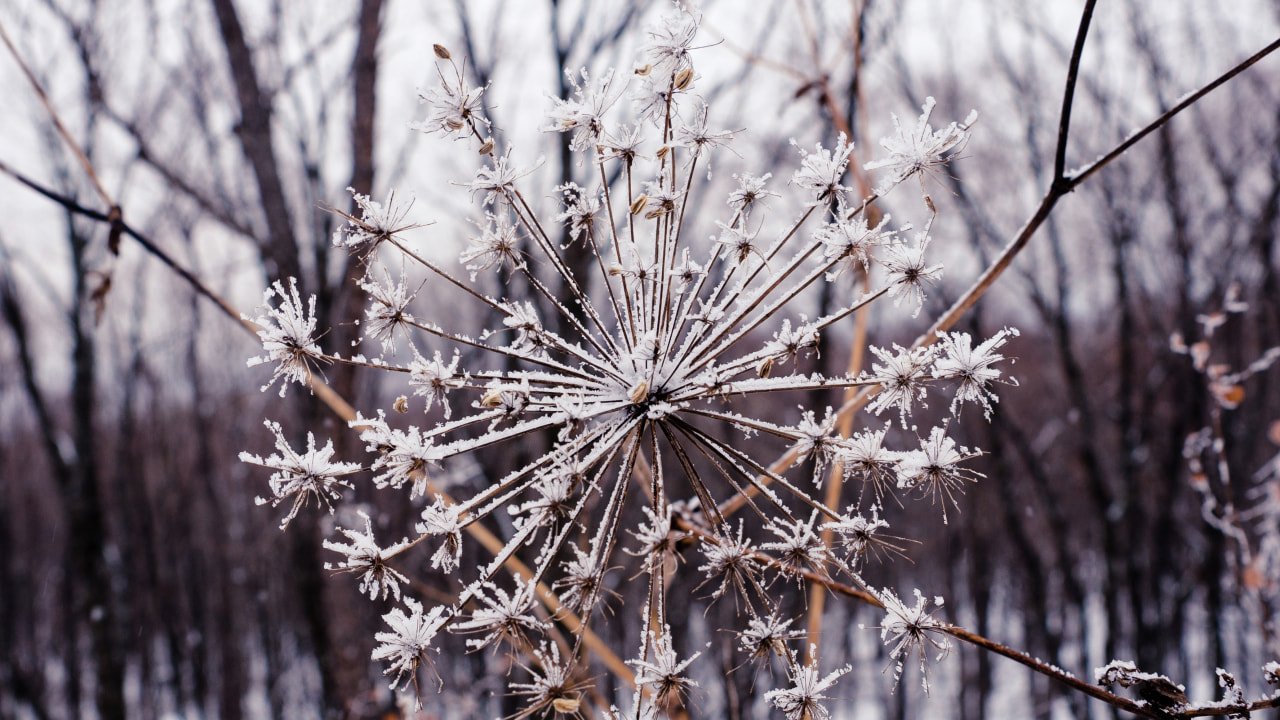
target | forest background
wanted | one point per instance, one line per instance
(137, 577)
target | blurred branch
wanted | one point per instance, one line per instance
(72, 145)
(12, 312)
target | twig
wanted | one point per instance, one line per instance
(57, 121)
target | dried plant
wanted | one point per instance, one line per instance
(650, 354)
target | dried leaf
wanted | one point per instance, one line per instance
(1228, 396)
(1200, 354)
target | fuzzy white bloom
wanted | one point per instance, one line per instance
(935, 469)
(686, 272)
(657, 540)
(455, 108)
(495, 182)
(301, 476)
(388, 312)
(664, 674)
(582, 115)
(405, 646)
(750, 192)
(580, 584)
(799, 546)
(502, 616)
(864, 456)
(1271, 673)
(551, 690)
(404, 456)
(972, 367)
(366, 558)
(818, 440)
(921, 148)
(820, 172)
(908, 630)
(433, 380)
(580, 209)
(669, 42)
(787, 344)
(662, 199)
(654, 98)
(699, 139)
(444, 520)
(554, 488)
(622, 144)
(286, 331)
(767, 636)
(803, 700)
(737, 244)
(849, 242)
(731, 558)
(378, 222)
(861, 535)
(497, 246)
(908, 272)
(901, 377)
(523, 319)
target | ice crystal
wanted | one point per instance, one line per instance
(367, 559)
(921, 148)
(405, 647)
(911, 630)
(902, 377)
(803, 700)
(664, 673)
(378, 222)
(974, 368)
(935, 469)
(822, 171)
(767, 636)
(502, 615)
(301, 476)
(286, 331)
(582, 115)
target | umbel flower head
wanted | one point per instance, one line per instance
(631, 379)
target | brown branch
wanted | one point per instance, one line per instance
(254, 132)
(72, 145)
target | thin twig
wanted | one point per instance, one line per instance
(57, 121)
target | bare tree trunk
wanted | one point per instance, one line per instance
(364, 82)
(279, 249)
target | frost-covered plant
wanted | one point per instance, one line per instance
(624, 373)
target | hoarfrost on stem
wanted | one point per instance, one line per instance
(621, 388)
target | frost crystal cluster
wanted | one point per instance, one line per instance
(633, 381)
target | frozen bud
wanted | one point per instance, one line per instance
(638, 205)
(765, 367)
(441, 51)
(566, 706)
(683, 78)
(401, 405)
(487, 148)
